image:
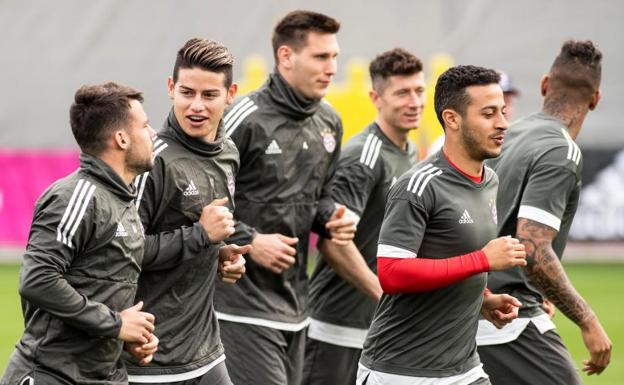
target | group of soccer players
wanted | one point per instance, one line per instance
(165, 253)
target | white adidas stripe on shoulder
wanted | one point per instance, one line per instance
(422, 177)
(140, 180)
(370, 151)
(74, 212)
(574, 152)
(237, 114)
(159, 145)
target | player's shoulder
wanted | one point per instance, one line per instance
(244, 111)
(70, 196)
(557, 148)
(418, 183)
(327, 109)
(365, 148)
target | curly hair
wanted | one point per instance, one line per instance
(450, 90)
(577, 69)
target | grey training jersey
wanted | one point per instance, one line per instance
(433, 211)
(288, 157)
(188, 174)
(80, 269)
(540, 179)
(369, 165)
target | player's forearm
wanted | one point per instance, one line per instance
(351, 266)
(47, 289)
(417, 275)
(168, 249)
(547, 274)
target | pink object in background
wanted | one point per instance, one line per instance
(24, 175)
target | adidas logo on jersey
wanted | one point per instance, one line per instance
(305, 145)
(465, 218)
(191, 190)
(273, 148)
(121, 231)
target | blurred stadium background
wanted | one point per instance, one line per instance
(49, 49)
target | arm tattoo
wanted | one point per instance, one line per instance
(546, 272)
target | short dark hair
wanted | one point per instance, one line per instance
(577, 69)
(391, 63)
(450, 90)
(292, 30)
(97, 111)
(207, 55)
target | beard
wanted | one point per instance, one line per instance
(138, 164)
(474, 148)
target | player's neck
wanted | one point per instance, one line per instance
(463, 162)
(571, 115)
(119, 166)
(396, 136)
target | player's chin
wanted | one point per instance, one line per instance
(493, 152)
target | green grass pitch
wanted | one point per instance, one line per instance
(601, 285)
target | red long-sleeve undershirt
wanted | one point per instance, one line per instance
(416, 275)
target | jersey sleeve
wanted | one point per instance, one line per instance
(548, 189)
(166, 249)
(404, 224)
(60, 230)
(239, 130)
(354, 181)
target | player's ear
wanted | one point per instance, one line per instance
(451, 119)
(374, 97)
(544, 85)
(285, 56)
(595, 100)
(170, 87)
(231, 93)
(121, 139)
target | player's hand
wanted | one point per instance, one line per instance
(505, 252)
(217, 220)
(144, 353)
(136, 326)
(273, 251)
(598, 345)
(232, 262)
(549, 308)
(341, 228)
(500, 309)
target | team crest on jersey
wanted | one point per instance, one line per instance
(492, 204)
(231, 183)
(329, 140)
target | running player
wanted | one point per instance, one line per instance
(85, 252)
(186, 199)
(289, 141)
(369, 164)
(540, 181)
(437, 243)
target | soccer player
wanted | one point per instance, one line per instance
(289, 141)
(510, 95)
(85, 251)
(187, 199)
(540, 180)
(369, 164)
(437, 243)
